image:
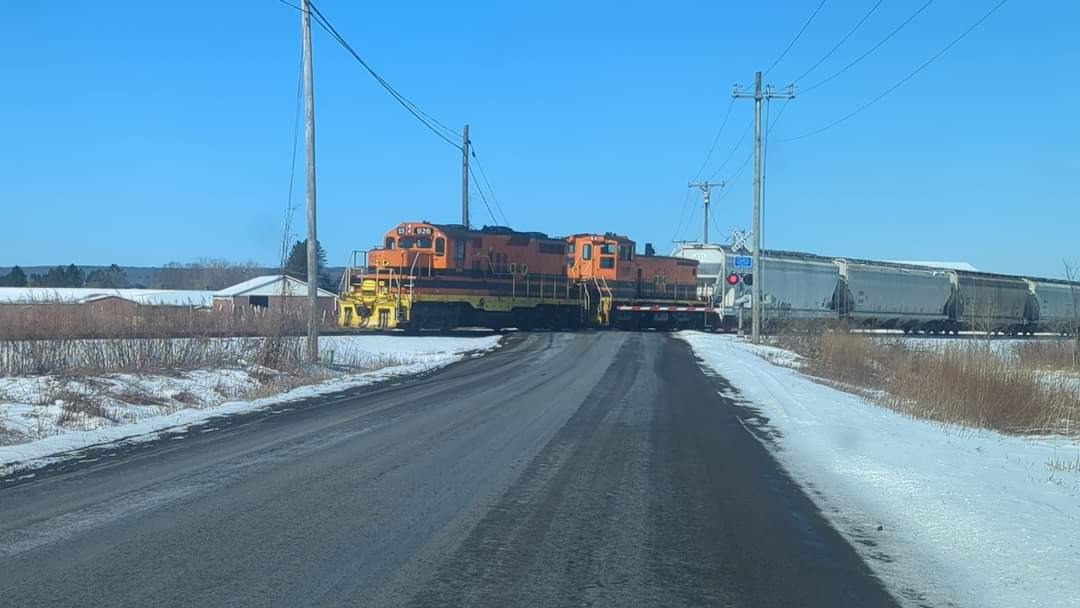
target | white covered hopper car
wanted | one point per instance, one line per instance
(801, 289)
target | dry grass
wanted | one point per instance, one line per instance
(51, 321)
(39, 357)
(75, 350)
(45, 338)
(10, 436)
(1049, 355)
(968, 383)
(78, 407)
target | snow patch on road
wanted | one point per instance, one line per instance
(946, 516)
(138, 407)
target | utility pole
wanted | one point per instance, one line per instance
(465, 176)
(706, 189)
(758, 95)
(312, 352)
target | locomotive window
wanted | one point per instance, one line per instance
(570, 249)
(440, 246)
(586, 251)
(389, 242)
(423, 243)
(405, 243)
(626, 252)
(607, 249)
(459, 250)
(606, 262)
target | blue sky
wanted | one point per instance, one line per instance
(144, 132)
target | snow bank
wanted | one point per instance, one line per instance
(182, 399)
(966, 518)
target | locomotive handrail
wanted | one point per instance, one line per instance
(606, 288)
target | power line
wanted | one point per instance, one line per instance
(903, 80)
(746, 162)
(409, 105)
(423, 117)
(708, 157)
(690, 219)
(734, 149)
(712, 218)
(797, 36)
(738, 173)
(429, 121)
(715, 140)
(289, 208)
(769, 125)
(682, 216)
(472, 151)
(842, 41)
(735, 177)
(765, 155)
(871, 50)
(483, 198)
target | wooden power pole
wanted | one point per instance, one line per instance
(312, 351)
(465, 176)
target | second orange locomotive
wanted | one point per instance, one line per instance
(440, 276)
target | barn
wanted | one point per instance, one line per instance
(272, 292)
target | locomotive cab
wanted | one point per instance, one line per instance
(412, 247)
(604, 257)
(609, 259)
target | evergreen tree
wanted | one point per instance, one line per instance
(15, 278)
(71, 276)
(296, 264)
(59, 277)
(112, 277)
(74, 276)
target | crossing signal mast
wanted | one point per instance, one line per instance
(758, 95)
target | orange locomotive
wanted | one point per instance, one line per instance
(440, 276)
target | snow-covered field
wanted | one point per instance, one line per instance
(35, 424)
(946, 516)
(1000, 345)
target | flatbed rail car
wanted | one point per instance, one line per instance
(441, 276)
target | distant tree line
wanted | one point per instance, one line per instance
(202, 274)
(206, 274)
(71, 275)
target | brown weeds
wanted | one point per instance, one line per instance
(62, 320)
(161, 355)
(968, 383)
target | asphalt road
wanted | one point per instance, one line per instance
(591, 469)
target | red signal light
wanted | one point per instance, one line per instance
(733, 279)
